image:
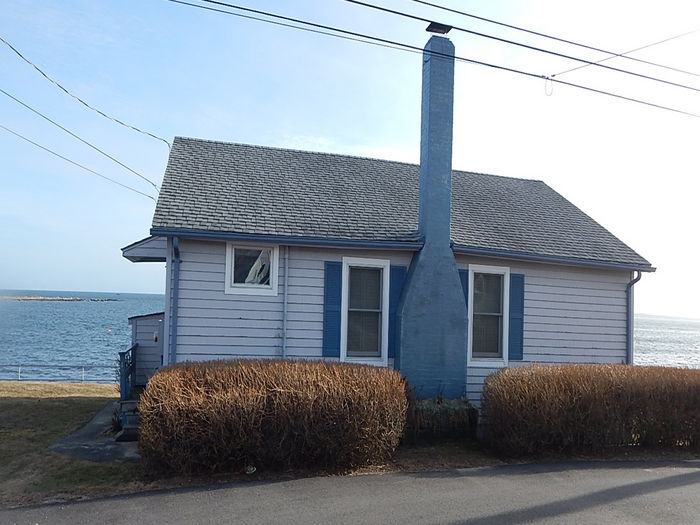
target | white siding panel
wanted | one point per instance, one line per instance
(215, 325)
(572, 315)
(148, 354)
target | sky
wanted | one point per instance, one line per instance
(175, 70)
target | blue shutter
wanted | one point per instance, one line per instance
(397, 276)
(516, 316)
(464, 278)
(332, 294)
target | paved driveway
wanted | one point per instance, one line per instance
(579, 493)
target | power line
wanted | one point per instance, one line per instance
(525, 46)
(282, 24)
(635, 50)
(411, 48)
(76, 164)
(585, 46)
(79, 138)
(47, 77)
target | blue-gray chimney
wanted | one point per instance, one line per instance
(432, 314)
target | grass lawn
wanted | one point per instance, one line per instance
(36, 415)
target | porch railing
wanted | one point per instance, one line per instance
(127, 371)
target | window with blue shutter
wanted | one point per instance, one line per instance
(495, 303)
(332, 297)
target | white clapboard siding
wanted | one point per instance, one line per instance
(215, 325)
(147, 331)
(572, 315)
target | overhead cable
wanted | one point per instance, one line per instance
(76, 163)
(624, 55)
(79, 138)
(520, 44)
(411, 48)
(47, 77)
(292, 26)
(578, 44)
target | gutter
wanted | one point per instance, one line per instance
(552, 259)
(409, 245)
(176, 291)
(630, 317)
(288, 240)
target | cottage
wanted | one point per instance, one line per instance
(445, 275)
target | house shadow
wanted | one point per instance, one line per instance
(544, 467)
(578, 503)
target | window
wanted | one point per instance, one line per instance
(251, 270)
(364, 311)
(488, 315)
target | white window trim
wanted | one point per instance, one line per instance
(251, 289)
(383, 359)
(485, 361)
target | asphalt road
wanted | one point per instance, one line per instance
(579, 493)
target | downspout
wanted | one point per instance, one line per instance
(630, 317)
(176, 290)
(284, 302)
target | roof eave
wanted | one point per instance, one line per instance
(375, 244)
(551, 259)
(130, 252)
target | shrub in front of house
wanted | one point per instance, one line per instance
(222, 416)
(591, 408)
(438, 419)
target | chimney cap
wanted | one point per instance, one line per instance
(437, 27)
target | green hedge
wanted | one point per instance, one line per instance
(224, 415)
(588, 408)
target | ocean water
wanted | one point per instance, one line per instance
(62, 340)
(72, 340)
(666, 341)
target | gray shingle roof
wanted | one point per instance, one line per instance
(237, 188)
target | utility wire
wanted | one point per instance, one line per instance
(624, 55)
(76, 164)
(79, 138)
(526, 46)
(47, 77)
(282, 24)
(415, 49)
(537, 33)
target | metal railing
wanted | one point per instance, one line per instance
(127, 371)
(28, 372)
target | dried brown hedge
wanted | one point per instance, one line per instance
(224, 415)
(587, 408)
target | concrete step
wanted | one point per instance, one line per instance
(130, 420)
(130, 405)
(127, 434)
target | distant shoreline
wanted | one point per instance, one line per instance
(42, 298)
